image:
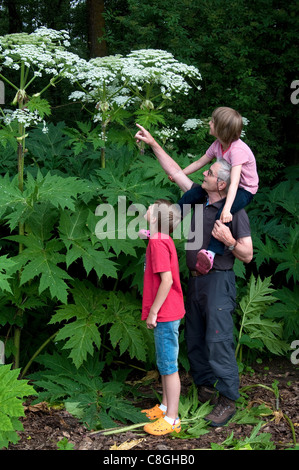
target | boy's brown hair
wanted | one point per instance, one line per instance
(168, 216)
(228, 124)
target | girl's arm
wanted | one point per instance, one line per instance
(196, 165)
(235, 175)
(162, 293)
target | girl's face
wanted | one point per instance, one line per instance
(212, 128)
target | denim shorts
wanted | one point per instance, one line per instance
(167, 346)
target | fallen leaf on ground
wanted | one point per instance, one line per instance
(127, 445)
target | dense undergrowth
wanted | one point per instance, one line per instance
(71, 271)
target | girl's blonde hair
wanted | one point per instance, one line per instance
(228, 124)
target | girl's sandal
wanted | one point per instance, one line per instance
(144, 234)
(204, 262)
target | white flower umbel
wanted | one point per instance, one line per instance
(245, 123)
(22, 116)
(42, 52)
(38, 55)
(137, 79)
(192, 124)
(167, 134)
(139, 68)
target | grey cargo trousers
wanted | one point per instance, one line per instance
(210, 304)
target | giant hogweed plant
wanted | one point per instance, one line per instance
(122, 90)
(41, 54)
(50, 217)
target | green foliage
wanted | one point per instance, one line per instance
(17, 206)
(79, 138)
(12, 393)
(245, 53)
(276, 236)
(94, 308)
(77, 233)
(84, 393)
(192, 415)
(135, 185)
(194, 425)
(50, 150)
(6, 266)
(58, 258)
(274, 222)
(255, 441)
(64, 444)
(41, 260)
(256, 331)
(286, 310)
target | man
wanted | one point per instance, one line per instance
(210, 299)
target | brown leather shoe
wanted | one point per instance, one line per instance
(222, 413)
(206, 393)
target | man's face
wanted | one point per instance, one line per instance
(210, 182)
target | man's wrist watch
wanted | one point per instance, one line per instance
(232, 247)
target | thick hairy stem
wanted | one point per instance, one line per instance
(17, 342)
(17, 334)
(36, 354)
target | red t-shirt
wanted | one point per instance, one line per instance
(161, 256)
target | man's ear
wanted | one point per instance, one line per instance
(222, 185)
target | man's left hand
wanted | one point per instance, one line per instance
(223, 233)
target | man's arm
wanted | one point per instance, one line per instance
(243, 246)
(170, 167)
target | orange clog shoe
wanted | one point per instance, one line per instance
(162, 427)
(154, 413)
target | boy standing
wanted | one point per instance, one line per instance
(162, 309)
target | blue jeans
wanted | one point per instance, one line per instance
(167, 346)
(198, 195)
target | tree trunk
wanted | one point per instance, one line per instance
(14, 18)
(96, 24)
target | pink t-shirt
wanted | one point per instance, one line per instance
(161, 256)
(238, 153)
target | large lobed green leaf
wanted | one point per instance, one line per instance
(12, 393)
(260, 331)
(93, 308)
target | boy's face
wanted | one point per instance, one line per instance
(149, 213)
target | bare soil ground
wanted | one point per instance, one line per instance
(44, 427)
